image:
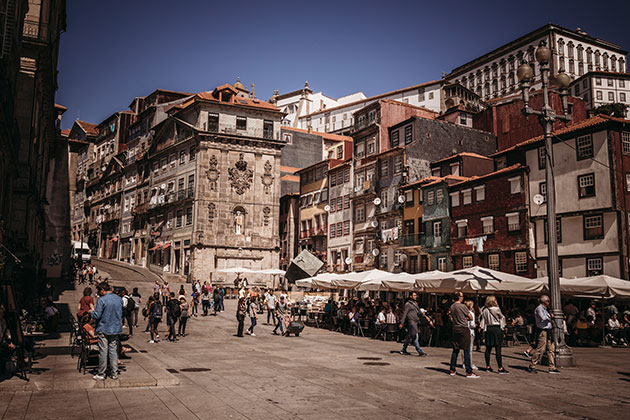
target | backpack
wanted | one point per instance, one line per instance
(156, 310)
(174, 309)
(131, 305)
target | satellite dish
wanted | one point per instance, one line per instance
(327, 207)
(163, 186)
(401, 199)
(348, 260)
(374, 223)
(403, 257)
(539, 199)
(375, 252)
(357, 188)
(377, 201)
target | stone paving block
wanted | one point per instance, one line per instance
(18, 405)
(104, 404)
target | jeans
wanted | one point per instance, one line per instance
(181, 329)
(278, 320)
(454, 357)
(127, 317)
(241, 325)
(107, 348)
(205, 304)
(269, 314)
(171, 327)
(134, 318)
(251, 327)
(221, 307)
(412, 335)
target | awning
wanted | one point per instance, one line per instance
(157, 246)
(166, 245)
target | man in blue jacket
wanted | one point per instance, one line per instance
(108, 316)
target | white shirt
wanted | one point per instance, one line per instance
(380, 319)
(613, 324)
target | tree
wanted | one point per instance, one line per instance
(614, 110)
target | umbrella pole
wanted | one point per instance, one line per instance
(603, 324)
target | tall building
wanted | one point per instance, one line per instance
(599, 88)
(574, 52)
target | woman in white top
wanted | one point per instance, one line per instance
(493, 324)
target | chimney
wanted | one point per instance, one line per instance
(310, 128)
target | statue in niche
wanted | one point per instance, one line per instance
(267, 178)
(212, 210)
(213, 173)
(266, 213)
(239, 222)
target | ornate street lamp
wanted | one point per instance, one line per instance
(547, 117)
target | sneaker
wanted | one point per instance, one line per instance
(114, 377)
(489, 369)
(474, 367)
(503, 372)
(423, 354)
(248, 333)
(452, 373)
(472, 376)
(252, 334)
(554, 371)
(98, 377)
(152, 341)
(531, 370)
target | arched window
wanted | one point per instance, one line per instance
(502, 85)
(597, 57)
(580, 52)
(571, 66)
(494, 86)
(622, 65)
(589, 55)
(580, 68)
(570, 51)
(613, 63)
(605, 61)
(561, 47)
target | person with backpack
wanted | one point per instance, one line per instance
(205, 300)
(128, 306)
(155, 317)
(241, 311)
(183, 317)
(216, 298)
(172, 316)
(137, 300)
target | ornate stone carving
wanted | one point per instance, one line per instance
(266, 212)
(213, 173)
(267, 178)
(241, 176)
(212, 212)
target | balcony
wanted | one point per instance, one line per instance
(422, 240)
(321, 231)
(366, 188)
(139, 209)
(305, 234)
(185, 194)
(35, 30)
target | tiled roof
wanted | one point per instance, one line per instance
(491, 174)
(449, 179)
(319, 133)
(248, 102)
(60, 107)
(589, 122)
(468, 154)
(89, 128)
(395, 102)
(373, 98)
(422, 181)
(65, 132)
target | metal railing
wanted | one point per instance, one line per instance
(34, 29)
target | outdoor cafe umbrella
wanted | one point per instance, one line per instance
(479, 279)
(602, 286)
(354, 280)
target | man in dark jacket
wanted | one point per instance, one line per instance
(172, 316)
(410, 318)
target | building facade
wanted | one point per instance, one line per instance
(599, 88)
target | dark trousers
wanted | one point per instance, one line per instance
(241, 325)
(454, 357)
(127, 317)
(497, 351)
(269, 315)
(251, 327)
(205, 305)
(171, 328)
(181, 330)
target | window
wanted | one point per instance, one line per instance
(359, 214)
(513, 222)
(398, 164)
(409, 198)
(267, 129)
(358, 247)
(441, 263)
(384, 168)
(610, 82)
(558, 230)
(360, 150)
(430, 198)
(339, 229)
(439, 196)
(430, 95)
(164, 163)
(622, 83)
(586, 185)
(189, 216)
(627, 182)
(346, 227)
(625, 141)
(241, 123)
(542, 188)
(463, 120)
(332, 230)
(622, 97)
(437, 229)
(462, 228)
(324, 196)
(611, 96)
(455, 199)
(467, 261)
(435, 172)
(466, 196)
(384, 198)
(594, 266)
(192, 153)
(493, 261)
(339, 203)
(346, 175)
(178, 220)
(213, 122)
(455, 169)
(408, 134)
(593, 227)
(309, 200)
(542, 158)
(487, 224)
(598, 95)
(370, 147)
(480, 193)
(520, 262)
(182, 157)
(515, 185)
(394, 140)
(346, 201)
(172, 160)
(333, 180)
(598, 81)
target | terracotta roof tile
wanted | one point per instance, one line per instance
(248, 102)
(589, 122)
(491, 174)
(65, 132)
(468, 154)
(319, 133)
(89, 128)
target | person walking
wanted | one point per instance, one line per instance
(280, 312)
(194, 303)
(410, 319)
(166, 293)
(155, 317)
(183, 317)
(270, 301)
(241, 311)
(460, 315)
(128, 308)
(205, 300)
(108, 316)
(252, 311)
(472, 325)
(492, 324)
(221, 298)
(137, 299)
(172, 316)
(544, 339)
(216, 299)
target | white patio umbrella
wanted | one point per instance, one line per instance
(235, 270)
(320, 281)
(481, 279)
(602, 286)
(273, 271)
(354, 280)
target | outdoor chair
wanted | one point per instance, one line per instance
(391, 330)
(520, 333)
(87, 344)
(75, 336)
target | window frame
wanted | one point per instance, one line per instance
(498, 263)
(516, 262)
(584, 193)
(470, 260)
(591, 237)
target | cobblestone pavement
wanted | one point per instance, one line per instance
(319, 375)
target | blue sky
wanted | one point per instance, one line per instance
(116, 50)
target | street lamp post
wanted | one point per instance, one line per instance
(547, 116)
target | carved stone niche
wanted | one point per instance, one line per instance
(240, 176)
(213, 172)
(266, 213)
(212, 212)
